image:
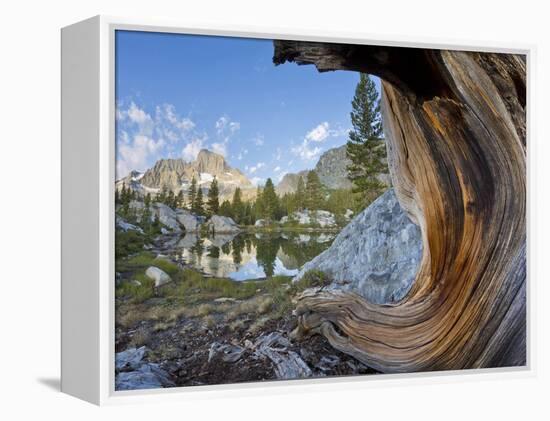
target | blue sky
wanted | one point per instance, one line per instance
(177, 94)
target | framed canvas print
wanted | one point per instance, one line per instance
(272, 208)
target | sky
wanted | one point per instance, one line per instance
(177, 94)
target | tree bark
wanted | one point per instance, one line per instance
(455, 126)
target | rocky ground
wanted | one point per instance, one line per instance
(209, 339)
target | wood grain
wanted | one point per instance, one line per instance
(455, 125)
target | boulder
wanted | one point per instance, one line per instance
(167, 216)
(376, 255)
(260, 223)
(222, 224)
(188, 220)
(322, 218)
(133, 373)
(126, 226)
(158, 275)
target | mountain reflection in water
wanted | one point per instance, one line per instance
(250, 255)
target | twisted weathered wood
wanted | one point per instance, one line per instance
(455, 129)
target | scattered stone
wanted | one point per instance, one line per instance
(126, 226)
(225, 300)
(322, 218)
(132, 373)
(227, 352)
(158, 275)
(260, 223)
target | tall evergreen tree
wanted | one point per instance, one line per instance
(270, 201)
(180, 201)
(300, 194)
(366, 148)
(198, 204)
(192, 194)
(237, 206)
(314, 195)
(226, 209)
(147, 200)
(213, 198)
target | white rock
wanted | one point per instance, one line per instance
(158, 275)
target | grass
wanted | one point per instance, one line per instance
(192, 295)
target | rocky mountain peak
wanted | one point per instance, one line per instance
(210, 162)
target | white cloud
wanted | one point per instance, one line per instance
(277, 169)
(256, 167)
(192, 149)
(219, 148)
(257, 181)
(258, 140)
(278, 154)
(137, 115)
(319, 133)
(168, 113)
(225, 126)
(134, 156)
(306, 152)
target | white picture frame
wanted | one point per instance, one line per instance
(88, 175)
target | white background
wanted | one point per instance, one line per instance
(30, 179)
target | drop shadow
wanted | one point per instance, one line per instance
(53, 383)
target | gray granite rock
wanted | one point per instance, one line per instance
(188, 220)
(222, 224)
(167, 216)
(376, 255)
(133, 373)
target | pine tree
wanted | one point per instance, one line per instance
(314, 195)
(170, 199)
(213, 198)
(270, 201)
(198, 204)
(147, 199)
(180, 202)
(117, 197)
(259, 207)
(192, 193)
(226, 209)
(237, 206)
(300, 194)
(366, 148)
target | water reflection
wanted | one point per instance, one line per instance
(250, 256)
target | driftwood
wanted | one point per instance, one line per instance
(455, 128)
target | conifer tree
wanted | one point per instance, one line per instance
(314, 195)
(180, 201)
(192, 193)
(198, 204)
(226, 209)
(366, 148)
(237, 206)
(300, 194)
(270, 201)
(213, 198)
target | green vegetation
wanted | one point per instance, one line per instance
(213, 202)
(366, 148)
